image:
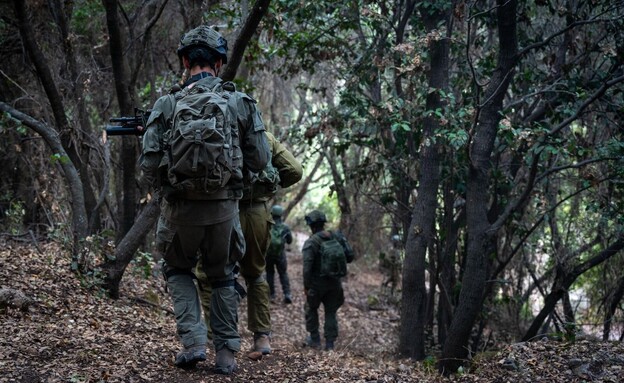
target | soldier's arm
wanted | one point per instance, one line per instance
(287, 235)
(152, 146)
(289, 168)
(308, 263)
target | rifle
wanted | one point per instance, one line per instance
(128, 126)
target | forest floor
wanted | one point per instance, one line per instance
(73, 333)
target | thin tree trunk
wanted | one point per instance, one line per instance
(612, 307)
(125, 250)
(125, 100)
(52, 139)
(564, 281)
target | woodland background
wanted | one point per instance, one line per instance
(487, 134)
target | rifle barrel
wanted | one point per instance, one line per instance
(115, 130)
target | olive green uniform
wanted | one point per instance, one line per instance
(256, 223)
(325, 290)
(209, 230)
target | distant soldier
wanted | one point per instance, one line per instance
(325, 257)
(390, 264)
(276, 254)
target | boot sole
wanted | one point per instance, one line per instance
(226, 370)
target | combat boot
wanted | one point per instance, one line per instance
(313, 342)
(225, 363)
(188, 357)
(329, 345)
(262, 343)
(287, 299)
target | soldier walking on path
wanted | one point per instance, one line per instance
(276, 254)
(197, 144)
(325, 258)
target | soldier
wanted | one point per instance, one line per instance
(391, 264)
(325, 258)
(283, 170)
(276, 254)
(199, 217)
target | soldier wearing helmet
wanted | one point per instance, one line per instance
(206, 228)
(276, 254)
(322, 288)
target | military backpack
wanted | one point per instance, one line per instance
(278, 242)
(203, 145)
(332, 253)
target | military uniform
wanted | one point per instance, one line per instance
(256, 224)
(321, 290)
(190, 229)
(279, 262)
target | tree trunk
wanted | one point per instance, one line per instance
(480, 239)
(421, 232)
(612, 304)
(128, 246)
(126, 108)
(56, 101)
(77, 94)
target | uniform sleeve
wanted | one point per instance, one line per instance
(152, 147)
(309, 251)
(254, 144)
(287, 235)
(349, 253)
(289, 168)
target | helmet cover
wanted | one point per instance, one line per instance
(204, 36)
(315, 216)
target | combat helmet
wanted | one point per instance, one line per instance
(315, 216)
(204, 36)
(277, 211)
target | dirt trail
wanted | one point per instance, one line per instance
(73, 333)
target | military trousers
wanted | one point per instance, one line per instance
(329, 292)
(256, 224)
(219, 247)
(281, 264)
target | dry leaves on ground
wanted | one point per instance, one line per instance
(72, 333)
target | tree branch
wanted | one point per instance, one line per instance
(249, 28)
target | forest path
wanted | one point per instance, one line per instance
(73, 333)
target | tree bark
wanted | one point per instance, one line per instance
(612, 305)
(125, 101)
(128, 246)
(246, 33)
(480, 235)
(421, 233)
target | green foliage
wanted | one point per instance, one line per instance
(143, 263)
(429, 363)
(94, 251)
(14, 217)
(58, 158)
(85, 13)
